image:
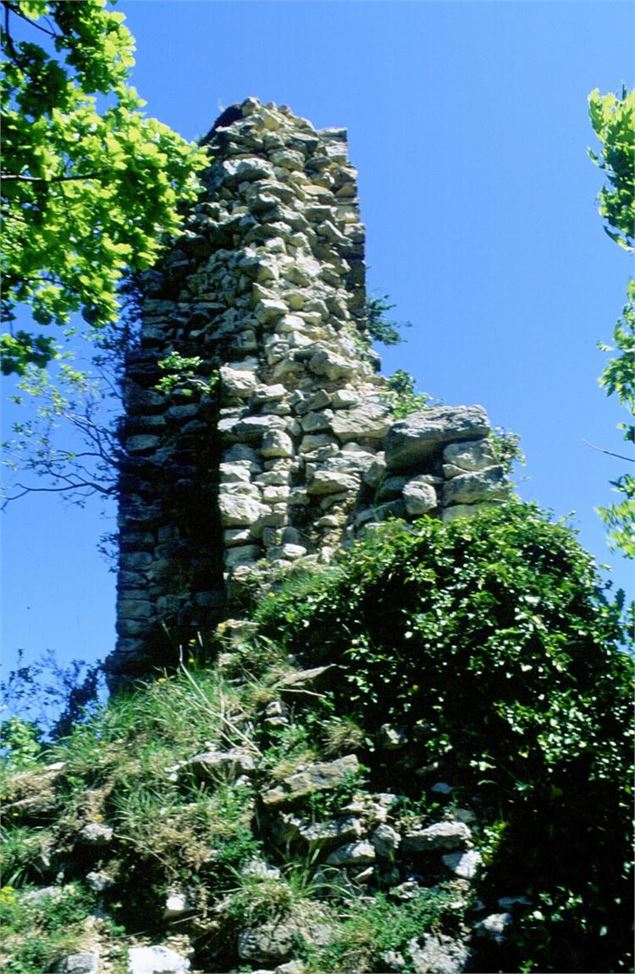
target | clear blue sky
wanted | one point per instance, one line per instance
(468, 124)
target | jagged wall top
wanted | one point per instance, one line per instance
(296, 448)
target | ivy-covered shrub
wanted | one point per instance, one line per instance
(492, 643)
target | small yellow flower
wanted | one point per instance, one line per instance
(190, 660)
(414, 687)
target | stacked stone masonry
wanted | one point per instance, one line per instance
(294, 449)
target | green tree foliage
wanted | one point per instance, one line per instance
(613, 121)
(490, 643)
(380, 328)
(89, 188)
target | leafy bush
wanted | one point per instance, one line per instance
(369, 928)
(493, 642)
(380, 328)
(37, 932)
(402, 398)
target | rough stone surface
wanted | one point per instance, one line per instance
(385, 840)
(95, 833)
(470, 488)
(352, 854)
(156, 960)
(79, 964)
(269, 943)
(211, 764)
(320, 776)
(438, 954)
(494, 927)
(266, 289)
(469, 457)
(419, 497)
(441, 835)
(465, 865)
(421, 435)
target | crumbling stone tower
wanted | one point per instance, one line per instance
(274, 441)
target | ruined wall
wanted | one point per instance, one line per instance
(294, 449)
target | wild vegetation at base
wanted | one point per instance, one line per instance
(434, 675)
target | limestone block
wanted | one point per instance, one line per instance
(273, 517)
(332, 482)
(275, 494)
(385, 840)
(277, 443)
(245, 170)
(241, 555)
(369, 421)
(303, 271)
(240, 452)
(438, 954)
(156, 960)
(290, 323)
(244, 488)
(316, 441)
(391, 487)
(317, 422)
(482, 485)
(494, 927)
(332, 366)
(278, 475)
(332, 234)
(236, 536)
(286, 368)
(79, 964)
(235, 472)
(441, 835)
(134, 609)
(375, 470)
(250, 429)
(419, 497)
(239, 511)
(270, 943)
(353, 854)
(286, 552)
(470, 456)
(320, 776)
(267, 394)
(183, 411)
(215, 764)
(142, 443)
(95, 834)
(133, 561)
(237, 383)
(412, 441)
(465, 865)
(344, 399)
(295, 299)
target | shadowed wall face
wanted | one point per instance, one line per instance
(274, 440)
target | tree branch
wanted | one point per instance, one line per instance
(609, 453)
(28, 20)
(23, 178)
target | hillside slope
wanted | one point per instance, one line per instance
(414, 760)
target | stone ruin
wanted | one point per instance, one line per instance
(276, 441)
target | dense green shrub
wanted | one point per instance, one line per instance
(493, 643)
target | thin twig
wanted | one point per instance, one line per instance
(609, 453)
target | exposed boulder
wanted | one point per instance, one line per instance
(320, 776)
